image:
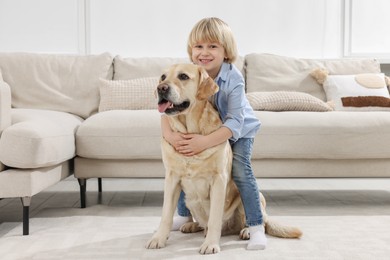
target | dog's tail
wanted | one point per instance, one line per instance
(279, 230)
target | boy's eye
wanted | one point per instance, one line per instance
(163, 77)
(213, 46)
(183, 76)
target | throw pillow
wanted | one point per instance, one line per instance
(134, 94)
(364, 86)
(286, 101)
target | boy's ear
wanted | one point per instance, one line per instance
(207, 87)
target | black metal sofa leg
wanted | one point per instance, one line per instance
(26, 201)
(83, 191)
(100, 187)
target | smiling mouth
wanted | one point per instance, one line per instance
(167, 107)
(205, 60)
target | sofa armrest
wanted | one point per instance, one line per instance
(5, 105)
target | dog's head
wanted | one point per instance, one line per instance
(181, 86)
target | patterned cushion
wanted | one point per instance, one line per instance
(361, 91)
(286, 101)
(134, 94)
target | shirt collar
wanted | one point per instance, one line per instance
(223, 72)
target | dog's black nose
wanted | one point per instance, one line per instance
(162, 88)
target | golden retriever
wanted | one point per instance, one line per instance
(211, 194)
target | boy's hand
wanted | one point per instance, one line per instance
(174, 139)
(192, 144)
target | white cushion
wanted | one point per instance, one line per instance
(133, 94)
(286, 101)
(68, 83)
(361, 85)
(38, 138)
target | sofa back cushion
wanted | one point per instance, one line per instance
(67, 83)
(267, 72)
(132, 68)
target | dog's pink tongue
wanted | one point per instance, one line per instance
(162, 107)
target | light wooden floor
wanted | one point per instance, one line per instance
(291, 197)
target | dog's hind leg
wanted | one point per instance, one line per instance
(171, 197)
(244, 234)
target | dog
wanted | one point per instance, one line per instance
(211, 194)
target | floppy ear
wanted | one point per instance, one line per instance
(207, 87)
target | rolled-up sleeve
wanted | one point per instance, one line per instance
(232, 104)
(234, 118)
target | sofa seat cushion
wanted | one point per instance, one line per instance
(318, 135)
(120, 134)
(38, 138)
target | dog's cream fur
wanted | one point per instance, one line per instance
(211, 194)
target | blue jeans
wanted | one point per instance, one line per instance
(245, 180)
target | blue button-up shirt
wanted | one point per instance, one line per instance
(232, 104)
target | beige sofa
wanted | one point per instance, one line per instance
(65, 119)
(50, 96)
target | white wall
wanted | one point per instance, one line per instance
(39, 25)
(301, 28)
(135, 29)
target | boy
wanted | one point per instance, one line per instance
(211, 45)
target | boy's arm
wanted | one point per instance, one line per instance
(195, 143)
(165, 127)
(219, 136)
(171, 137)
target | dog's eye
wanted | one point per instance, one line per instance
(183, 76)
(163, 77)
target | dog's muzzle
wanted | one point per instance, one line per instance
(165, 105)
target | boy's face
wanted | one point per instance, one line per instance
(210, 56)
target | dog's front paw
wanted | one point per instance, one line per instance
(191, 227)
(156, 243)
(244, 234)
(207, 248)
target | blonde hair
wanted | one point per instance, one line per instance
(213, 30)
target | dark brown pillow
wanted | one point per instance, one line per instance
(367, 101)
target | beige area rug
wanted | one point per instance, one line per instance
(104, 232)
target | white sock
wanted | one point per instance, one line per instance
(257, 240)
(179, 221)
